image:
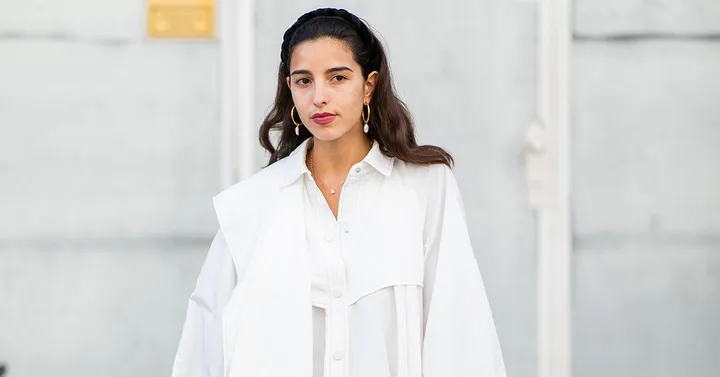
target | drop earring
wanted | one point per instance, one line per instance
(297, 124)
(366, 127)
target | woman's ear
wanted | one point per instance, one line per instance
(287, 81)
(370, 85)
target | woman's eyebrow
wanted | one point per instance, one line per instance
(329, 70)
(300, 72)
(338, 69)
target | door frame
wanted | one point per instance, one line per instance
(553, 222)
(238, 142)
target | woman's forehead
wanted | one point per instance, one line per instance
(322, 54)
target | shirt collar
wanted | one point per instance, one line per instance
(378, 160)
(296, 166)
(296, 162)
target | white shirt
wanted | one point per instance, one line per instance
(358, 338)
(390, 289)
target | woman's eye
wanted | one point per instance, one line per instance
(302, 81)
(339, 78)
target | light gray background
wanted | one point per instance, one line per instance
(646, 181)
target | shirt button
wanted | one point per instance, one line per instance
(338, 355)
(358, 170)
(329, 236)
(346, 230)
(337, 293)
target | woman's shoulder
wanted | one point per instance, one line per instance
(431, 186)
(426, 175)
(261, 183)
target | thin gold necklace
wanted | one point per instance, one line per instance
(312, 171)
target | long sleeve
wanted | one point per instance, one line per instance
(460, 339)
(200, 352)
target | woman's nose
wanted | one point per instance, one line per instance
(321, 96)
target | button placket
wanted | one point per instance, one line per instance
(330, 235)
(338, 326)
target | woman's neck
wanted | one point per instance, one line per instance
(335, 158)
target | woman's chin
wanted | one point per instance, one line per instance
(327, 133)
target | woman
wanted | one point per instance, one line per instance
(348, 256)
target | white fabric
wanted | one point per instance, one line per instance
(391, 288)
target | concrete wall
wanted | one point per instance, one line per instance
(108, 161)
(657, 17)
(646, 182)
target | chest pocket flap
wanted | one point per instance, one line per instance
(386, 247)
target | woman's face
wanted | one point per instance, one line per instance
(328, 88)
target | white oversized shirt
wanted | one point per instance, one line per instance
(393, 287)
(358, 338)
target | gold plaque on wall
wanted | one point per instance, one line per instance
(181, 18)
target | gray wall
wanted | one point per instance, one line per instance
(646, 182)
(108, 161)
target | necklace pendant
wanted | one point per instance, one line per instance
(332, 191)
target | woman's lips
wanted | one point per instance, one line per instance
(323, 119)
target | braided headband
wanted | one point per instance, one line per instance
(366, 36)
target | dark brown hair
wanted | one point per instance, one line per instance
(391, 125)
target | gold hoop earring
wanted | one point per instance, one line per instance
(297, 124)
(366, 128)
